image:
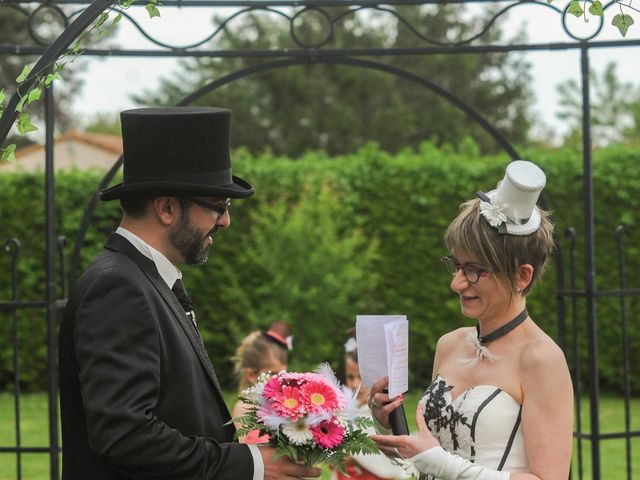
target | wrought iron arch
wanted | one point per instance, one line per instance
(317, 52)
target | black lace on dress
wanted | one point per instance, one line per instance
(441, 416)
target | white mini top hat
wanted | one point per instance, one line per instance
(511, 207)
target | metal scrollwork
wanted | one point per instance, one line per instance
(311, 27)
(567, 16)
(46, 23)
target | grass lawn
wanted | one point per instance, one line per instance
(35, 433)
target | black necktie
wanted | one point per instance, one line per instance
(183, 297)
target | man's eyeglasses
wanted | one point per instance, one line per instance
(220, 208)
(472, 273)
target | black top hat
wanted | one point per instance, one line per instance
(177, 151)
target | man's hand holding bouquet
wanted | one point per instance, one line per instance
(309, 417)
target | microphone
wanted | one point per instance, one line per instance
(398, 420)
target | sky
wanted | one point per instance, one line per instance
(109, 82)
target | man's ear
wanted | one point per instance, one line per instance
(165, 209)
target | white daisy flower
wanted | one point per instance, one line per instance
(298, 432)
(493, 212)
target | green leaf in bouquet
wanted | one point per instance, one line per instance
(363, 423)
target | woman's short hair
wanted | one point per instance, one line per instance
(500, 253)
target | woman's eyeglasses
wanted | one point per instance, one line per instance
(471, 272)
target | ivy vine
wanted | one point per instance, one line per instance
(622, 21)
(49, 73)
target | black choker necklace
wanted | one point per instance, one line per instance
(503, 330)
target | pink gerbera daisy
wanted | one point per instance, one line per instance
(319, 396)
(328, 434)
(294, 379)
(272, 388)
(288, 403)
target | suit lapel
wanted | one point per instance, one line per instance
(119, 244)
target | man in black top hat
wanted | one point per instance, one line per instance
(139, 396)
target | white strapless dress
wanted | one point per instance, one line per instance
(482, 425)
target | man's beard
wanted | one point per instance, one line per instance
(188, 241)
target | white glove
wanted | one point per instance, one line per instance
(445, 466)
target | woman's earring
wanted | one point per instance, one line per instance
(519, 290)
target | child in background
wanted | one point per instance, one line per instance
(364, 467)
(260, 352)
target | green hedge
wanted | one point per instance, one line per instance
(325, 238)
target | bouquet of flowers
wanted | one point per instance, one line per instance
(309, 417)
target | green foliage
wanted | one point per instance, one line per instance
(596, 8)
(575, 8)
(622, 21)
(104, 123)
(615, 105)
(326, 238)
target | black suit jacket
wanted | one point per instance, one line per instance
(139, 397)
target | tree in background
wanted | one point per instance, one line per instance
(104, 122)
(340, 108)
(297, 257)
(615, 108)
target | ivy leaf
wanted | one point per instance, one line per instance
(34, 95)
(152, 9)
(596, 9)
(622, 22)
(76, 47)
(127, 3)
(116, 19)
(575, 8)
(21, 103)
(9, 153)
(2, 95)
(24, 74)
(101, 19)
(50, 78)
(24, 124)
